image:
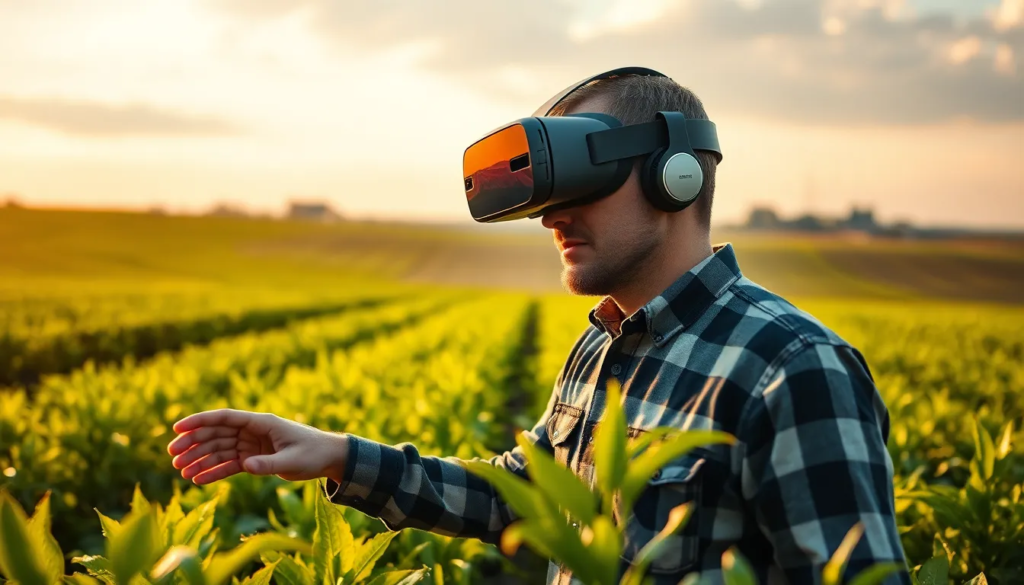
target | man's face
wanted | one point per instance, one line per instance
(605, 244)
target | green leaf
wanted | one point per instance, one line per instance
(196, 524)
(291, 504)
(978, 579)
(139, 503)
(832, 574)
(288, 571)
(947, 508)
(985, 452)
(169, 520)
(80, 579)
(183, 558)
(526, 500)
(410, 557)
(367, 555)
(610, 443)
(558, 482)
(875, 574)
(638, 444)
(604, 542)
(736, 570)
(400, 577)
(696, 578)
(209, 546)
(554, 539)
(643, 468)
(657, 546)
(333, 544)
(225, 564)
(51, 557)
(1005, 442)
(18, 556)
(109, 526)
(260, 577)
(97, 566)
(133, 548)
(514, 535)
(934, 571)
(274, 522)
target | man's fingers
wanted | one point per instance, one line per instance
(262, 465)
(227, 417)
(218, 473)
(209, 462)
(184, 441)
(203, 449)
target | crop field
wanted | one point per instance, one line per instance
(114, 326)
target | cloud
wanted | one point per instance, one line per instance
(87, 118)
(804, 61)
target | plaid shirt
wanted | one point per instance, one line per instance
(713, 351)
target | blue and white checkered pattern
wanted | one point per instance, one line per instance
(713, 351)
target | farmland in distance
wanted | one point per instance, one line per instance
(114, 325)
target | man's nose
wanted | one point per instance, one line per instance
(557, 218)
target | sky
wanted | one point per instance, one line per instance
(914, 108)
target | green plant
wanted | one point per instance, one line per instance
(146, 545)
(160, 546)
(554, 498)
(977, 528)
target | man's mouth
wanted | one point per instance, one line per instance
(571, 243)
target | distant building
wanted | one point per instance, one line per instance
(226, 210)
(766, 219)
(12, 200)
(860, 220)
(807, 223)
(315, 211)
(763, 218)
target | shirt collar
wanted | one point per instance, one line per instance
(679, 305)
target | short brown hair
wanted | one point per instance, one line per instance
(635, 99)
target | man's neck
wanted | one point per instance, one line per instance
(659, 273)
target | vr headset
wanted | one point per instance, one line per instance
(536, 164)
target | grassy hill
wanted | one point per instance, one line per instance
(56, 252)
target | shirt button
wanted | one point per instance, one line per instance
(616, 370)
(658, 338)
(556, 433)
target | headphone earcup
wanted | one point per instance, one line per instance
(652, 187)
(681, 178)
(669, 181)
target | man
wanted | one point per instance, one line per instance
(696, 345)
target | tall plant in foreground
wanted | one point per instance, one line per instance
(164, 546)
(554, 498)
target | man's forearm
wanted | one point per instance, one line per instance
(337, 453)
(407, 490)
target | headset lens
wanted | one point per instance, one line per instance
(497, 171)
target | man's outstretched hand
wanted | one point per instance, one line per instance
(216, 444)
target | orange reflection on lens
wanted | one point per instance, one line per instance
(499, 165)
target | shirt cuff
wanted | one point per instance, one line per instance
(371, 476)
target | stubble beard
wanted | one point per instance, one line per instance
(605, 276)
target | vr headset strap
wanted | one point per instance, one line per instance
(640, 139)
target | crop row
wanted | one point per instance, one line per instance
(52, 336)
(447, 377)
(91, 435)
(416, 371)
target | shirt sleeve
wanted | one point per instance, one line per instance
(816, 464)
(405, 489)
